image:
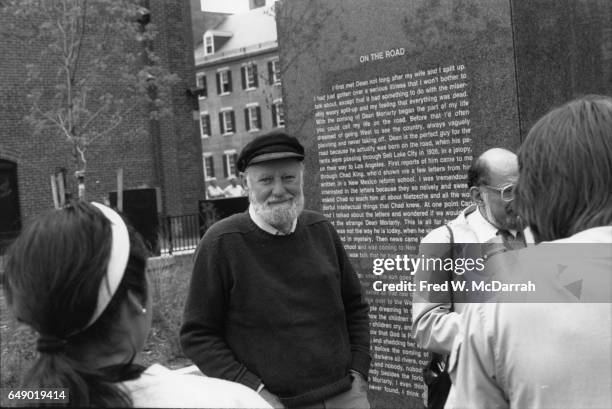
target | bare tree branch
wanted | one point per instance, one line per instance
(81, 151)
(83, 82)
(46, 115)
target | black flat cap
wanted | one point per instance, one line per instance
(271, 146)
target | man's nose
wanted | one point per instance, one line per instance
(279, 188)
(510, 207)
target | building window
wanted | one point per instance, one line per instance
(224, 82)
(204, 125)
(229, 163)
(252, 118)
(227, 122)
(249, 76)
(278, 113)
(274, 72)
(201, 80)
(209, 166)
(209, 45)
(201, 85)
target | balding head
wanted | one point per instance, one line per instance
(493, 165)
(495, 169)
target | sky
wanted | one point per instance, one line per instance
(225, 6)
(228, 6)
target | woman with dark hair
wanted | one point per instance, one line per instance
(549, 345)
(565, 170)
(78, 277)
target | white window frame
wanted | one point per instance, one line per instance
(224, 73)
(276, 71)
(199, 76)
(253, 123)
(279, 103)
(202, 134)
(227, 115)
(206, 156)
(201, 84)
(248, 75)
(211, 39)
(227, 165)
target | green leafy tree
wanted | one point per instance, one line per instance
(91, 67)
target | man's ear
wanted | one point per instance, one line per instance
(476, 195)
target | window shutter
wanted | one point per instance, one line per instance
(270, 73)
(208, 129)
(246, 119)
(229, 81)
(225, 165)
(221, 125)
(258, 109)
(233, 121)
(274, 122)
(204, 85)
(255, 79)
(243, 75)
(218, 83)
(209, 166)
(234, 160)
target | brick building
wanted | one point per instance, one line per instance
(167, 156)
(238, 87)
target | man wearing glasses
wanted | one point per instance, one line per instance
(491, 221)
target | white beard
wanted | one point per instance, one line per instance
(280, 216)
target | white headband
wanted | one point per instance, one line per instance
(120, 251)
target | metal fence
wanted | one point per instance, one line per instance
(179, 234)
(172, 234)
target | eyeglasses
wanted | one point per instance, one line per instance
(506, 191)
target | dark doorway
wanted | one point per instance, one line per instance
(10, 218)
(140, 208)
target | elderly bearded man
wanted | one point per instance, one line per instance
(274, 302)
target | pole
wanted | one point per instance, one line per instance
(120, 189)
(54, 192)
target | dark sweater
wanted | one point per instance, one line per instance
(283, 310)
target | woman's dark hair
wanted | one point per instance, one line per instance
(565, 169)
(52, 278)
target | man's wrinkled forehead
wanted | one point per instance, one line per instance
(502, 172)
(275, 168)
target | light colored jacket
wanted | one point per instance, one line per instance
(553, 353)
(160, 387)
(434, 326)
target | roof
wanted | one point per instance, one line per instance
(203, 20)
(254, 30)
